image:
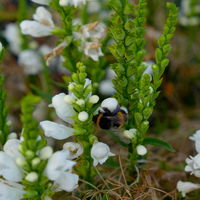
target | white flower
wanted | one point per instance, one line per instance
(107, 88)
(42, 2)
(10, 190)
(110, 103)
(93, 6)
(75, 149)
(9, 169)
(31, 61)
(83, 116)
(58, 169)
(95, 30)
(196, 138)
(74, 3)
(186, 187)
(193, 165)
(57, 131)
(141, 150)
(100, 152)
(148, 66)
(63, 110)
(93, 50)
(12, 35)
(1, 47)
(41, 26)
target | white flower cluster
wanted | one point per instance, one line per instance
(193, 166)
(58, 169)
(90, 35)
(62, 104)
(189, 13)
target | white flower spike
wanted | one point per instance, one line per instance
(41, 26)
(186, 187)
(100, 152)
(193, 165)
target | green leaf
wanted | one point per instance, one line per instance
(158, 142)
(105, 197)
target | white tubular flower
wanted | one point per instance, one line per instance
(30, 61)
(12, 35)
(57, 131)
(196, 138)
(75, 149)
(110, 103)
(148, 66)
(141, 150)
(10, 190)
(95, 30)
(93, 50)
(9, 169)
(41, 26)
(186, 187)
(74, 3)
(193, 165)
(100, 152)
(107, 88)
(42, 2)
(58, 169)
(63, 110)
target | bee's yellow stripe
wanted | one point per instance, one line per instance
(98, 120)
(121, 118)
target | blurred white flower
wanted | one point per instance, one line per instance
(64, 110)
(93, 50)
(41, 26)
(193, 165)
(12, 35)
(75, 149)
(59, 169)
(100, 152)
(95, 30)
(74, 3)
(10, 190)
(106, 88)
(42, 2)
(31, 61)
(148, 66)
(196, 138)
(186, 187)
(93, 6)
(57, 131)
(1, 47)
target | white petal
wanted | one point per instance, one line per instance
(107, 88)
(35, 29)
(11, 148)
(63, 110)
(58, 164)
(186, 187)
(110, 103)
(8, 168)
(67, 182)
(10, 190)
(75, 149)
(43, 16)
(57, 131)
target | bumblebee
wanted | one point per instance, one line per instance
(106, 119)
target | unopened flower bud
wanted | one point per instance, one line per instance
(20, 161)
(130, 133)
(32, 177)
(83, 116)
(35, 161)
(141, 150)
(69, 99)
(80, 102)
(46, 153)
(71, 86)
(1, 46)
(30, 154)
(94, 99)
